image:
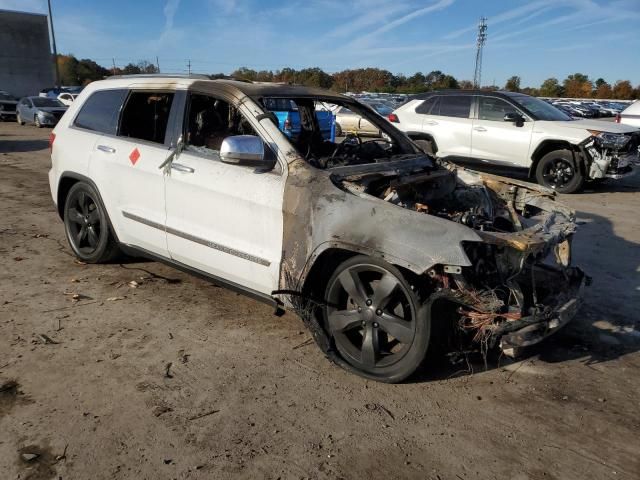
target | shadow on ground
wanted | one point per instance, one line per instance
(9, 146)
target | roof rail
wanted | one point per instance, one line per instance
(162, 75)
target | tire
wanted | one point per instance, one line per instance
(87, 226)
(426, 146)
(36, 121)
(558, 170)
(375, 319)
(19, 119)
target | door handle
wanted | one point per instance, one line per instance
(182, 168)
(480, 129)
(106, 149)
(430, 122)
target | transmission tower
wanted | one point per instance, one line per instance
(482, 37)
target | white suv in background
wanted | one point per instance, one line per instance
(515, 130)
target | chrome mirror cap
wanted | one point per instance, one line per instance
(242, 149)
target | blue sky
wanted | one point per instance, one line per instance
(534, 39)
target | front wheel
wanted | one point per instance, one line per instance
(36, 122)
(87, 227)
(559, 171)
(376, 320)
(19, 119)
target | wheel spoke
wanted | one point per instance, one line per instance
(396, 327)
(94, 216)
(82, 233)
(92, 237)
(342, 320)
(351, 283)
(383, 290)
(75, 216)
(82, 203)
(370, 346)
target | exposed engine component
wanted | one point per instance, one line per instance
(611, 154)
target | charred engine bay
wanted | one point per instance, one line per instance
(519, 275)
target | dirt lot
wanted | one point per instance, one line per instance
(248, 396)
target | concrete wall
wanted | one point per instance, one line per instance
(26, 63)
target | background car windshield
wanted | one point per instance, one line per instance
(541, 110)
(45, 102)
(6, 96)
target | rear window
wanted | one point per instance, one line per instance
(455, 106)
(425, 107)
(146, 116)
(100, 112)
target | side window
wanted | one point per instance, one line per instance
(455, 106)
(209, 121)
(100, 112)
(425, 107)
(491, 108)
(145, 116)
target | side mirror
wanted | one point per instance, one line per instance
(514, 117)
(245, 150)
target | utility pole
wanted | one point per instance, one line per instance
(55, 50)
(157, 64)
(113, 62)
(189, 66)
(482, 37)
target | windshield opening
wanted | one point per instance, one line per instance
(330, 132)
(541, 110)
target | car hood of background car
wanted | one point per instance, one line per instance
(599, 125)
(8, 102)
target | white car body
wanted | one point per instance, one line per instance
(631, 115)
(504, 143)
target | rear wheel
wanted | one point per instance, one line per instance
(559, 171)
(87, 227)
(376, 320)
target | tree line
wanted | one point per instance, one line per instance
(578, 85)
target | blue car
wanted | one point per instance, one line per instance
(41, 111)
(289, 118)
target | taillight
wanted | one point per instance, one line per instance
(287, 124)
(618, 117)
(52, 138)
(392, 117)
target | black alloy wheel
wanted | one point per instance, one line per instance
(86, 225)
(375, 319)
(558, 171)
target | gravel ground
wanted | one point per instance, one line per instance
(177, 378)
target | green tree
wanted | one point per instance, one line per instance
(603, 90)
(550, 88)
(513, 84)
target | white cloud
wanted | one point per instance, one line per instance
(170, 9)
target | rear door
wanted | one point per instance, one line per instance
(126, 165)
(448, 121)
(496, 141)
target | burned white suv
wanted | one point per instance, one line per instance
(382, 251)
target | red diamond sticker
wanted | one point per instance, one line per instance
(134, 156)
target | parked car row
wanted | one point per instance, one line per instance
(42, 110)
(587, 109)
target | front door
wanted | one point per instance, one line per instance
(224, 220)
(494, 140)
